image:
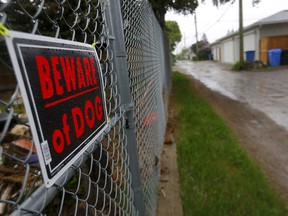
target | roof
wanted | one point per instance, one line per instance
(280, 17)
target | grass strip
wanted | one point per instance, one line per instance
(216, 175)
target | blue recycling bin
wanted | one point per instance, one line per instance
(274, 57)
(250, 56)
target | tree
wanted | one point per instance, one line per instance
(173, 32)
(204, 49)
(204, 37)
(218, 2)
(184, 53)
(160, 7)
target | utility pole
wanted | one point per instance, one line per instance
(241, 41)
(184, 40)
(195, 19)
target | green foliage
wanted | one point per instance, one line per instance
(180, 6)
(216, 176)
(173, 32)
(203, 54)
(160, 7)
(202, 49)
(240, 65)
(183, 53)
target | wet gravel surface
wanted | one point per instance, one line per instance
(266, 91)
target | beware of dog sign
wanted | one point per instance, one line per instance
(62, 87)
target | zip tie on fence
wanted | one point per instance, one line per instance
(94, 44)
(4, 31)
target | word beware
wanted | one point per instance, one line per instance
(77, 73)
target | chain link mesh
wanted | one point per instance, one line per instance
(147, 70)
(100, 181)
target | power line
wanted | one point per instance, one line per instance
(218, 20)
(236, 20)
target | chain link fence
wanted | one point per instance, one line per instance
(147, 68)
(119, 173)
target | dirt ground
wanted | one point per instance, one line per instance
(262, 139)
(169, 198)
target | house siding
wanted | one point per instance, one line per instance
(273, 30)
(216, 52)
(249, 41)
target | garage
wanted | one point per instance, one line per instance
(260, 37)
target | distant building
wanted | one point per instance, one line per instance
(268, 33)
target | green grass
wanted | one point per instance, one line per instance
(216, 175)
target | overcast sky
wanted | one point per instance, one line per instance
(216, 22)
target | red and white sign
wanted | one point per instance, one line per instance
(62, 87)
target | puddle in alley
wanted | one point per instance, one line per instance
(266, 91)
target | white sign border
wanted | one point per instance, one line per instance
(11, 49)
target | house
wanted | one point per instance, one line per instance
(268, 33)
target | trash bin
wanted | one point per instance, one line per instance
(274, 57)
(250, 55)
(210, 56)
(284, 57)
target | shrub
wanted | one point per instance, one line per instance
(241, 65)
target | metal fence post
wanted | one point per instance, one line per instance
(119, 173)
(119, 51)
